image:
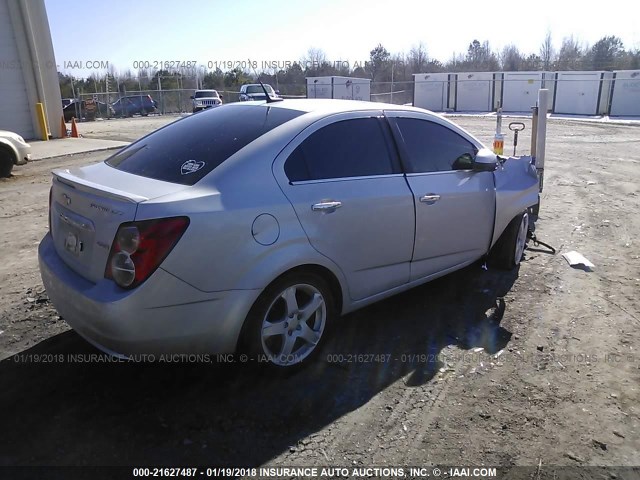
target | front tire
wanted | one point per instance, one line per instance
(509, 249)
(6, 163)
(289, 322)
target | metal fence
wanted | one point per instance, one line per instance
(398, 93)
(571, 93)
(174, 101)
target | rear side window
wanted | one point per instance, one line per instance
(187, 150)
(349, 148)
(432, 147)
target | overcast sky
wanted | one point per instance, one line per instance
(212, 32)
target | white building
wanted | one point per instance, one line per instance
(28, 72)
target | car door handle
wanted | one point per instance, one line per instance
(430, 198)
(326, 206)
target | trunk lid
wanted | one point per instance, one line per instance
(88, 204)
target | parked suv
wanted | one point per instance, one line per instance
(254, 91)
(134, 104)
(204, 99)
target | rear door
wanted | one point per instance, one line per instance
(454, 205)
(344, 181)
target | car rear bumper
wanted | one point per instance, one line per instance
(163, 315)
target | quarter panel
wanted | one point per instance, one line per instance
(516, 190)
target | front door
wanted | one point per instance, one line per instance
(454, 205)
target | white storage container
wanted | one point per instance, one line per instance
(582, 93)
(625, 96)
(347, 88)
(433, 91)
(475, 91)
(319, 87)
(520, 90)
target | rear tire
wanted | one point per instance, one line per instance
(6, 162)
(509, 249)
(289, 322)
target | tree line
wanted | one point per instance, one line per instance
(382, 67)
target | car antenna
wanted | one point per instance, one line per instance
(268, 97)
(264, 89)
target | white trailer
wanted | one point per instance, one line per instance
(520, 89)
(347, 88)
(477, 91)
(625, 94)
(582, 93)
(433, 91)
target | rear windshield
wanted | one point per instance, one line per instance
(188, 149)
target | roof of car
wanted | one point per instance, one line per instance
(332, 105)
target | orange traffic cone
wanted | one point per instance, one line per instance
(63, 128)
(74, 128)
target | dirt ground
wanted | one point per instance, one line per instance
(536, 367)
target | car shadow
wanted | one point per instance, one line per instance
(59, 410)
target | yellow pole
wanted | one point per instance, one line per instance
(42, 120)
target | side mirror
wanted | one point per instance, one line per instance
(277, 92)
(485, 161)
(191, 97)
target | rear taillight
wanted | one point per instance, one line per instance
(140, 247)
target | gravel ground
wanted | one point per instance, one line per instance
(538, 366)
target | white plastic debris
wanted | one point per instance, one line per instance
(576, 259)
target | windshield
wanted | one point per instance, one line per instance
(187, 150)
(206, 94)
(258, 89)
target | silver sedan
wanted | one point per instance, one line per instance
(254, 226)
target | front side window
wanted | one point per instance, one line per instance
(432, 147)
(348, 148)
